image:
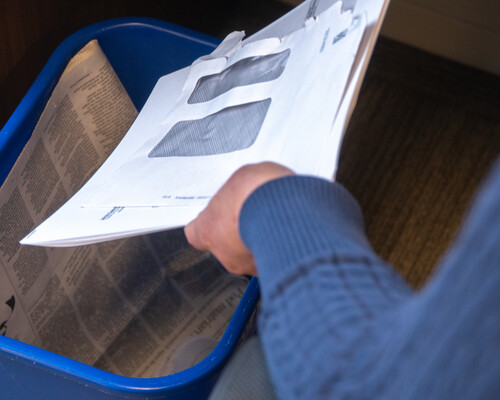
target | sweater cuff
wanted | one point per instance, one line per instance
(293, 221)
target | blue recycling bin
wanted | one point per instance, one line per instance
(141, 50)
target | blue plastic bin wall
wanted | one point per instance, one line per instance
(141, 50)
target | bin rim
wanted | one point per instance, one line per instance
(180, 381)
(44, 84)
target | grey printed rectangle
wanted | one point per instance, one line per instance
(231, 129)
(247, 71)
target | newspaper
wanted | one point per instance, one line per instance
(141, 307)
(285, 94)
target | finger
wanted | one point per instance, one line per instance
(241, 264)
(193, 235)
(242, 268)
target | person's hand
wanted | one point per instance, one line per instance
(216, 229)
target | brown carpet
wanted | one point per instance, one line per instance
(424, 134)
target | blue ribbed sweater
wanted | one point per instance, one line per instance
(338, 323)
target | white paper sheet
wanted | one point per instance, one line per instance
(73, 225)
(302, 104)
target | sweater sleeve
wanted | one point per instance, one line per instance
(322, 285)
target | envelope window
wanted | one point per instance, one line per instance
(248, 71)
(231, 129)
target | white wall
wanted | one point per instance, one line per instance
(467, 31)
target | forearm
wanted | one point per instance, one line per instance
(322, 285)
(338, 322)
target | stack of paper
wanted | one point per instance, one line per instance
(283, 95)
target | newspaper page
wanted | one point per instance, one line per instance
(139, 307)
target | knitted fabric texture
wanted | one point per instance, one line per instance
(338, 323)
